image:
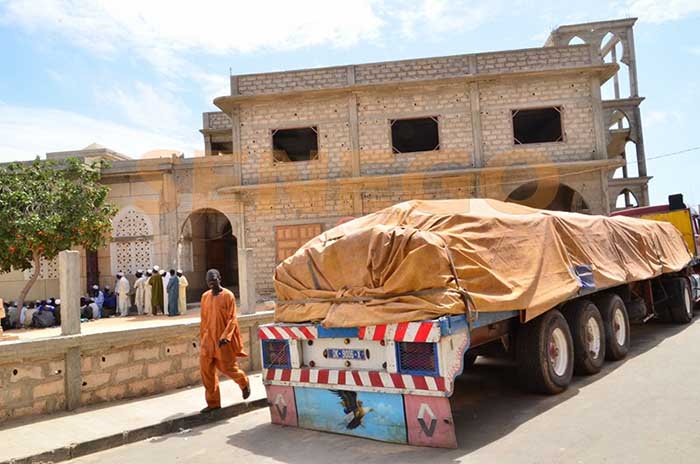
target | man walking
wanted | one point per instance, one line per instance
(122, 289)
(220, 341)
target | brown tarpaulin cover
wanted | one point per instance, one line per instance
(398, 264)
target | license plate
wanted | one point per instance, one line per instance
(344, 353)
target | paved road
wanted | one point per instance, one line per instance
(645, 409)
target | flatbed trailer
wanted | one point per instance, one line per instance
(392, 382)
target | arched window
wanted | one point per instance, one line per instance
(626, 199)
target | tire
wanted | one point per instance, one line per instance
(588, 334)
(545, 354)
(617, 326)
(681, 308)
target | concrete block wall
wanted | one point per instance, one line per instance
(139, 370)
(216, 120)
(32, 387)
(408, 70)
(328, 115)
(307, 79)
(449, 103)
(323, 204)
(498, 98)
(113, 366)
(533, 59)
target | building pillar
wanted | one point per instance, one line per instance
(475, 108)
(601, 147)
(246, 280)
(69, 286)
(169, 232)
(246, 272)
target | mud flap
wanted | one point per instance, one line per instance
(375, 415)
(429, 421)
(283, 410)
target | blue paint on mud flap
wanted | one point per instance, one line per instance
(379, 416)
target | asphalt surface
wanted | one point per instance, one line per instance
(645, 409)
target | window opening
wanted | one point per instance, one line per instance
(537, 125)
(417, 134)
(290, 145)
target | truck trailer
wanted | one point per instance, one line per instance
(376, 317)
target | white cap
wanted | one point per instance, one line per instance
(95, 287)
(58, 302)
(179, 271)
(156, 268)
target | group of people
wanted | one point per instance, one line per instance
(38, 314)
(153, 292)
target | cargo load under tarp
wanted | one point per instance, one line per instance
(419, 260)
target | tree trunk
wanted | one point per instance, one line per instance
(30, 282)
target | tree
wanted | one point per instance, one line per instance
(47, 207)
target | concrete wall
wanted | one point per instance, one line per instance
(36, 377)
(550, 58)
(12, 283)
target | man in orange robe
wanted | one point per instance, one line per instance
(220, 341)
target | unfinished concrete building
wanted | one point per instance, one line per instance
(292, 153)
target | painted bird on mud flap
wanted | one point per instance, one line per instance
(352, 408)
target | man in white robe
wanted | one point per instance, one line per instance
(182, 303)
(122, 289)
(140, 286)
(148, 306)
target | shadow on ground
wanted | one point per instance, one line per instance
(487, 405)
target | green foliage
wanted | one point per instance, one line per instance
(47, 207)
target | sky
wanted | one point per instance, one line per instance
(136, 75)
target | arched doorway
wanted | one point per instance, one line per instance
(549, 195)
(207, 242)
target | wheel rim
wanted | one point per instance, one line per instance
(593, 337)
(620, 327)
(558, 352)
(686, 300)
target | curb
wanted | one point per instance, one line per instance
(76, 450)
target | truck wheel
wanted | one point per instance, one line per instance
(682, 306)
(588, 333)
(545, 354)
(617, 326)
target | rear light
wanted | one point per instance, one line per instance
(417, 358)
(276, 354)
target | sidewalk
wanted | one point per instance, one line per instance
(64, 436)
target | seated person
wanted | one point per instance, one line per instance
(44, 317)
(98, 296)
(109, 308)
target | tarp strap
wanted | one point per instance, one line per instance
(466, 298)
